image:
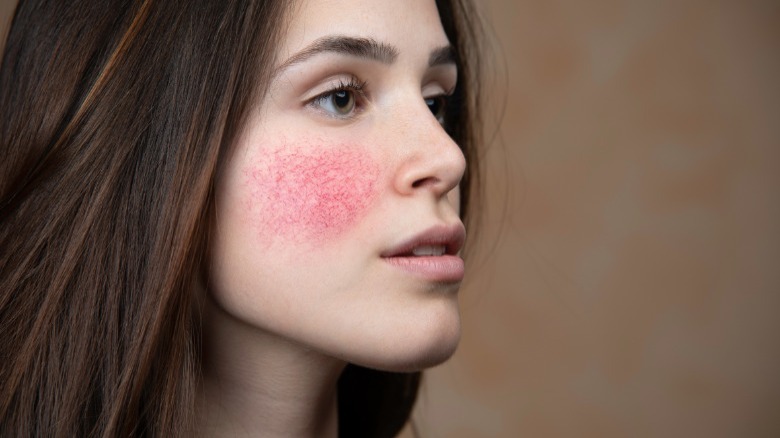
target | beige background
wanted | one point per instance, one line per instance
(635, 287)
(628, 275)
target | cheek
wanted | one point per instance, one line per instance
(303, 196)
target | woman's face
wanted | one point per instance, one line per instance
(337, 211)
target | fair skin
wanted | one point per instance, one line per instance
(337, 221)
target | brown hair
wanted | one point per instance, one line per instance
(114, 117)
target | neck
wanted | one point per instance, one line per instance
(257, 384)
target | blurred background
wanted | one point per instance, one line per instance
(626, 280)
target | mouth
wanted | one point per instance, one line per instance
(431, 255)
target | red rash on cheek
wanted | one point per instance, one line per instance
(310, 196)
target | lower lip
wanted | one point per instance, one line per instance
(445, 268)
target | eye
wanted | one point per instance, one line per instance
(341, 101)
(438, 107)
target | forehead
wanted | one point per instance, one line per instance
(410, 25)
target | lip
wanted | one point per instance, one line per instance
(448, 267)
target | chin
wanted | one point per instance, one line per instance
(423, 348)
(430, 356)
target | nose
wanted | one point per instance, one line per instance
(431, 160)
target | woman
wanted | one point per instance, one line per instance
(230, 218)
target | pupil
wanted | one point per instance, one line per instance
(342, 99)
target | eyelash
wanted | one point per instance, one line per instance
(356, 88)
(353, 85)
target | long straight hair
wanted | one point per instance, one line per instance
(114, 116)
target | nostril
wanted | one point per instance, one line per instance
(424, 182)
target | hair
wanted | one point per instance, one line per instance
(115, 116)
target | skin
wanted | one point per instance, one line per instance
(316, 197)
(307, 201)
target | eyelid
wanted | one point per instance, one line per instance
(330, 83)
(439, 93)
(353, 85)
(438, 85)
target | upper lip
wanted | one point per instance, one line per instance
(450, 236)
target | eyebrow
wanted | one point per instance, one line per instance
(442, 55)
(367, 48)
